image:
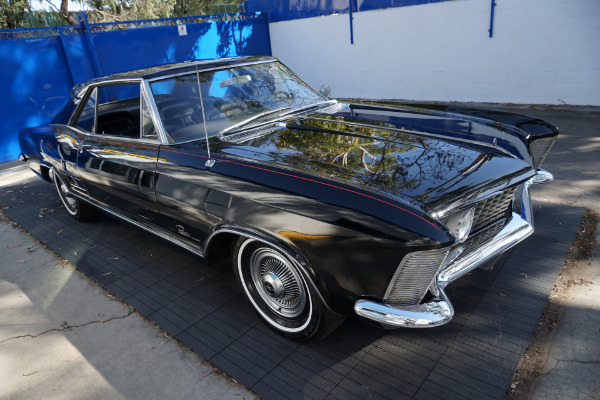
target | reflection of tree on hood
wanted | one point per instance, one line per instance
(370, 156)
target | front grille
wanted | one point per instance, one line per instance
(418, 270)
(492, 208)
(414, 275)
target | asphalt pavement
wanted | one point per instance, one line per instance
(62, 336)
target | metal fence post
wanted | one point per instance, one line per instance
(92, 53)
(64, 54)
(491, 30)
(351, 18)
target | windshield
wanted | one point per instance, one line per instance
(229, 99)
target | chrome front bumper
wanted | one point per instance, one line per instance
(439, 310)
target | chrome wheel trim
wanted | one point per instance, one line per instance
(68, 200)
(265, 251)
(277, 283)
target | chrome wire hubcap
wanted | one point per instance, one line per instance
(68, 199)
(277, 282)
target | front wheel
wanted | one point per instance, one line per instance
(75, 207)
(279, 292)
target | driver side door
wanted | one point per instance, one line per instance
(117, 158)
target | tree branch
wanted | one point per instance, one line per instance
(64, 11)
(53, 6)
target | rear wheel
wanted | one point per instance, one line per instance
(279, 292)
(74, 206)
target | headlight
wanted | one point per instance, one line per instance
(539, 149)
(460, 223)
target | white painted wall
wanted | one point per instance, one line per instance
(542, 52)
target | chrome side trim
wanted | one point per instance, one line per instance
(157, 231)
(439, 310)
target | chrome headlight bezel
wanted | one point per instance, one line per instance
(539, 149)
(460, 223)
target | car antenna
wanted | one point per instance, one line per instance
(210, 162)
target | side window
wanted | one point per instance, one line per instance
(178, 103)
(87, 117)
(118, 110)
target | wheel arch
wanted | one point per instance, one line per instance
(219, 244)
(46, 172)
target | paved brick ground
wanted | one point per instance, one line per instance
(473, 357)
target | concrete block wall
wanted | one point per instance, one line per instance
(542, 52)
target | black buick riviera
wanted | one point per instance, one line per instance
(325, 209)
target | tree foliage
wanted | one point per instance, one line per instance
(123, 10)
(188, 8)
(12, 13)
(131, 10)
(42, 18)
(19, 14)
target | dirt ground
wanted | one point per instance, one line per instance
(534, 361)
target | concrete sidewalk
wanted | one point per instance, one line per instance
(64, 337)
(564, 360)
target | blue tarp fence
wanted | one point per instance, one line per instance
(38, 67)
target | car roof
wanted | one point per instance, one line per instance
(173, 69)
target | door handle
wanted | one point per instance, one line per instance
(146, 180)
(85, 147)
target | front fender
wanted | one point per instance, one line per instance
(284, 246)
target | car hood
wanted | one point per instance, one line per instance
(429, 162)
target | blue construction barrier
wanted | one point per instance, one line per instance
(40, 66)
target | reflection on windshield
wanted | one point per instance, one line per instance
(232, 98)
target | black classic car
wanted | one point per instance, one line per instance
(324, 209)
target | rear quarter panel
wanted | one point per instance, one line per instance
(40, 147)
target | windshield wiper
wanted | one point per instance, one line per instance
(253, 118)
(308, 107)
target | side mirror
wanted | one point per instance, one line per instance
(325, 91)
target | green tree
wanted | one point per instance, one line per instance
(119, 10)
(188, 8)
(151, 9)
(43, 18)
(18, 13)
(12, 13)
